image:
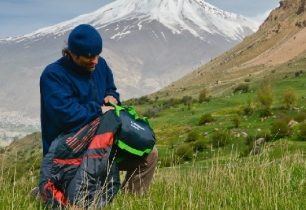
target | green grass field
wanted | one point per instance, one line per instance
(234, 183)
(211, 177)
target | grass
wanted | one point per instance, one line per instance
(251, 183)
(215, 178)
(255, 182)
(223, 108)
(15, 192)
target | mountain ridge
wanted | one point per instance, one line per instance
(278, 46)
(169, 12)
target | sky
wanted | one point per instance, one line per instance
(19, 17)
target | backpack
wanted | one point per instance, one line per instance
(135, 134)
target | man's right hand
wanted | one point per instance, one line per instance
(106, 109)
(110, 99)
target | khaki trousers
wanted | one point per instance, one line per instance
(139, 172)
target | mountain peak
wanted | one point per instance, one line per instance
(194, 16)
(177, 15)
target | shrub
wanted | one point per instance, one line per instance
(302, 131)
(137, 101)
(220, 138)
(289, 98)
(172, 102)
(184, 152)
(264, 95)
(285, 117)
(186, 100)
(249, 108)
(298, 73)
(152, 112)
(265, 112)
(206, 118)
(236, 121)
(143, 100)
(192, 136)
(250, 142)
(242, 88)
(199, 145)
(204, 96)
(301, 116)
(280, 129)
(130, 102)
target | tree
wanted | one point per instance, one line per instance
(265, 96)
(203, 96)
(289, 98)
(187, 101)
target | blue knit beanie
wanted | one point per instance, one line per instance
(85, 40)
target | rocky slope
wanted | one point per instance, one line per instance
(279, 46)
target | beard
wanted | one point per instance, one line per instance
(91, 69)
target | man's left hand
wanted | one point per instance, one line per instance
(110, 99)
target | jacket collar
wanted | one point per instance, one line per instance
(72, 66)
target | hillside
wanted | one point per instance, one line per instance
(278, 46)
(218, 155)
(22, 157)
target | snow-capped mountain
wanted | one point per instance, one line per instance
(148, 44)
(194, 16)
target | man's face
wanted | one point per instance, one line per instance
(87, 62)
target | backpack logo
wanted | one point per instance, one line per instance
(136, 126)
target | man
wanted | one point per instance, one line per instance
(78, 124)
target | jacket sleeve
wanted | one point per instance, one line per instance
(111, 89)
(59, 102)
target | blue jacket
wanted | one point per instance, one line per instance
(72, 97)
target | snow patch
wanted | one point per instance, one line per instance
(120, 34)
(162, 33)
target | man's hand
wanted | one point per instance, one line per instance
(110, 99)
(106, 109)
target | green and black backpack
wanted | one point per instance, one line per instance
(135, 135)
